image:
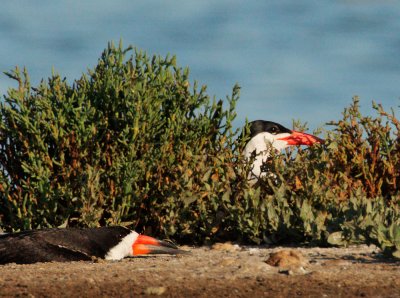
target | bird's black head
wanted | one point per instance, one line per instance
(259, 126)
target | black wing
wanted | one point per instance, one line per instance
(59, 245)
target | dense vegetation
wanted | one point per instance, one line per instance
(133, 143)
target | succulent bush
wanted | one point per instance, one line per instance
(133, 143)
(346, 190)
(128, 143)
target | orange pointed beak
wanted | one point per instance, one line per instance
(141, 245)
(148, 245)
(301, 138)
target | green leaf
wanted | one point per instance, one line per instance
(337, 239)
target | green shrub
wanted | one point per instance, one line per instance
(346, 191)
(129, 143)
(132, 143)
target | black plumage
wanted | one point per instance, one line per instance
(259, 126)
(61, 245)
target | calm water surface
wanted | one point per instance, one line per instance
(293, 59)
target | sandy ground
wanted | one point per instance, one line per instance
(223, 271)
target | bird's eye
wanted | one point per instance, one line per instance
(274, 130)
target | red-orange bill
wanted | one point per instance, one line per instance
(301, 138)
(148, 245)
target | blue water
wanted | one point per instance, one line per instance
(293, 59)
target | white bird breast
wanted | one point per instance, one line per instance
(124, 248)
(262, 144)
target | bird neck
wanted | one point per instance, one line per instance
(124, 248)
(260, 149)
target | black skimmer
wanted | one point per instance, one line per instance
(74, 244)
(265, 135)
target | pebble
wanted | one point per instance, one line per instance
(287, 259)
(155, 290)
(227, 246)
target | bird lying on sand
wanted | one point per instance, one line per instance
(265, 135)
(74, 244)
